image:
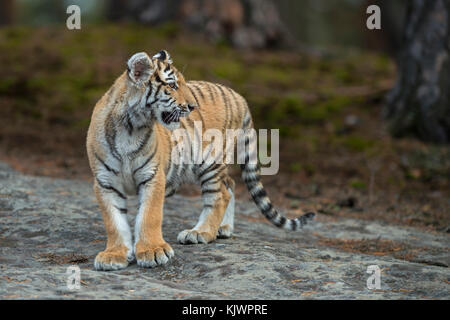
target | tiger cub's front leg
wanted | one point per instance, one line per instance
(150, 248)
(119, 251)
(216, 195)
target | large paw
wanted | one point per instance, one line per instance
(195, 237)
(149, 257)
(225, 232)
(111, 260)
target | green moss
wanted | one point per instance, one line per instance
(284, 112)
(314, 115)
(82, 124)
(337, 103)
(7, 84)
(295, 167)
(382, 63)
(168, 30)
(357, 143)
(271, 75)
(14, 37)
(343, 75)
(230, 70)
(309, 168)
(291, 105)
(357, 184)
(288, 131)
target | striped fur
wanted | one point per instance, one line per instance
(130, 147)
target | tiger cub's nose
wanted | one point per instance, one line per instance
(191, 107)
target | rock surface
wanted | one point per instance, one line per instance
(48, 225)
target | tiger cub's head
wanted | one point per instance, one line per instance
(168, 96)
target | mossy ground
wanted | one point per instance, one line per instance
(334, 145)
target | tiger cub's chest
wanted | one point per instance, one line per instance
(133, 149)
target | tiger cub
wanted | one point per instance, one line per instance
(130, 144)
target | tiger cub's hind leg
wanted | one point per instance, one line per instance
(227, 224)
(216, 197)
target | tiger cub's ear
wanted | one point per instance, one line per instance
(164, 56)
(140, 68)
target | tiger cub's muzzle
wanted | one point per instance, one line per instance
(180, 111)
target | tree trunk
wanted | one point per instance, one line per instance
(6, 12)
(419, 105)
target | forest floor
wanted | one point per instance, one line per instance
(51, 224)
(336, 154)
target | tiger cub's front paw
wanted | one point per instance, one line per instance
(111, 260)
(148, 256)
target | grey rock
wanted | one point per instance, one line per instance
(48, 225)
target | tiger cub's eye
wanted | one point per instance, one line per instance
(173, 85)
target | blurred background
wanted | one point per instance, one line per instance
(364, 115)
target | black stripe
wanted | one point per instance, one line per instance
(231, 117)
(282, 222)
(226, 106)
(171, 193)
(199, 90)
(248, 180)
(222, 93)
(293, 224)
(148, 179)
(143, 142)
(107, 187)
(210, 178)
(146, 161)
(210, 191)
(203, 97)
(266, 210)
(260, 194)
(128, 124)
(144, 182)
(105, 165)
(193, 94)
(165, 100)
(122, 210)
(150, 87)
(216, 165)
(156, 96)
(183, 170)
(270, 209)
(255, 169)
(110, 136)
(128, 75)
(208, 88)
(246, 122)
(247, 139)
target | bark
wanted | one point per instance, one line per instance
(419, 104)
(7, 10)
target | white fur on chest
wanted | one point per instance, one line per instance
(128, 145)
